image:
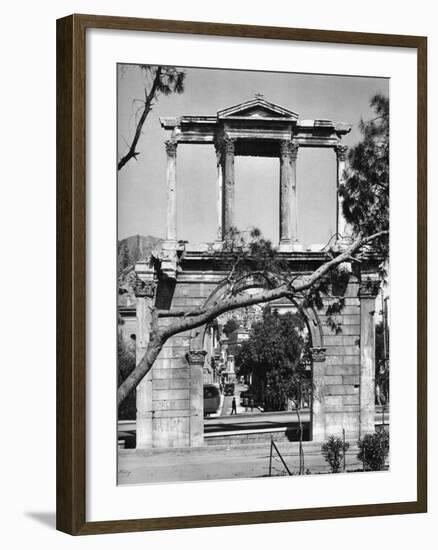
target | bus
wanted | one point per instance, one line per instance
(212, 399)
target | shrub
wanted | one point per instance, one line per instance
(373, 449)
(334, 451)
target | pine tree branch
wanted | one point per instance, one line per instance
(132, 153)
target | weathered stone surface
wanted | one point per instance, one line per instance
(333, 401)
(341, 339)
(348, 379)
(367, 363)
(170, 394)
(345, 370)
(350, 330)
(343, 350)
(351, 399)
(351, 359)
(171, 383)
(160, 374)
(331, 380)
(181, 413)
(171, 432)
(332, 360)
(174, 405)
(339, 389)
(351, 320)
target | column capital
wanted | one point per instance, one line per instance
(369, 288)
(171, 146)
(196, 357)
(341, 151)
(288, 148)
(229, 144)
(144, 289)
(318, 355)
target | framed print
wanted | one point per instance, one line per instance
(241, 288)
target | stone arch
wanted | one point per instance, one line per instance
(311, 316)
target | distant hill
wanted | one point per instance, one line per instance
(135, 248)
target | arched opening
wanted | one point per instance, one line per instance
(267, 392)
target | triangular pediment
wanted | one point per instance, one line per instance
(257, 108)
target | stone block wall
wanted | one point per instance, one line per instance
(170, 400)
(338, 377)
(174, 403)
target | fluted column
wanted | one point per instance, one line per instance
(342, 228)
(144, 292)
(171, 146)
(219, 198)
(228, 187)
(288, 193)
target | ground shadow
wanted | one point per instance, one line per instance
(45, 518)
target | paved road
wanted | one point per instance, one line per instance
(255, 421)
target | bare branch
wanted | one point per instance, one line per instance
(132, 153)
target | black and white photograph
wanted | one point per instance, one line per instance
(253, 274)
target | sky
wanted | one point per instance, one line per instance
(142, 183)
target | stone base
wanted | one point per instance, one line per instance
(289, 246)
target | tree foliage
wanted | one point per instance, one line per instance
(159, 79)
(276, 342)
(365, 190)
(230, 326)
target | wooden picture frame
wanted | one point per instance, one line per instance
(71, 273)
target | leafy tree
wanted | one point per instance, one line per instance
(274, 353)
(365, 190)
(230, 326)
(274, 343)
(159, 79)
(334, 451)
(373, 449)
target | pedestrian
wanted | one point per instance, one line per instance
(233, 406)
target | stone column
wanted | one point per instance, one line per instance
(219, 198)
(342, 228)
(196, 361)
(288, 195)
(171, 146)
(144, 292)
(228, 187)
(368, 290)
(318, 356)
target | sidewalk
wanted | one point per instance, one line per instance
(219, 462)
